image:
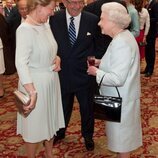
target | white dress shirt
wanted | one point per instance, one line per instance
(76, 21)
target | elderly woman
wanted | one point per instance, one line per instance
(37, 66)
(120, 67)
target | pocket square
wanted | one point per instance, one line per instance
(88, 33)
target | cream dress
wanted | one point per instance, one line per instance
(2, 67)
(35, 52)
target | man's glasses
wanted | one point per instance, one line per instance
(23, 9)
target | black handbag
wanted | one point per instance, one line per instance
(107, 107)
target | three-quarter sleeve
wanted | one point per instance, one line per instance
(23, 52)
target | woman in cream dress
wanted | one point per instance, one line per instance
(37, 66)
(121, 68)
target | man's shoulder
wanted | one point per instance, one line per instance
(100, 2)
(5, 8)
(153, 4)
(89, 15)
(59, 13)
(95, 7)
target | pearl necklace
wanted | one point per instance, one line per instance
(33, 20)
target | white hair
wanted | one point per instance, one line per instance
(117, 13)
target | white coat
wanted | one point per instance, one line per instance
(121, 67)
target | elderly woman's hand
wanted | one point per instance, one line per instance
(57, 62)
(92, 70)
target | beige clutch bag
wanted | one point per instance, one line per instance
(21, 100)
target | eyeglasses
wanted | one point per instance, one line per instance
(23, 9)
(75, 2)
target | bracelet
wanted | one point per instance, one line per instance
(32, 92)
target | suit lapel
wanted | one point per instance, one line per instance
(65, 29)
(82, 28)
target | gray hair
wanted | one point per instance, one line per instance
(117, 13)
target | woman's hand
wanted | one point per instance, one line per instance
(144, 39)
(57, 62)
(32, 104)
(92, 70)
(30, 89)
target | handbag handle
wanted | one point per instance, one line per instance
(115, 86)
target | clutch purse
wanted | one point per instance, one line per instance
(21, 100)
(107, 107)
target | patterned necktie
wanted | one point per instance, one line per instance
(72, 31)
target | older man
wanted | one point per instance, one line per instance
(150, 54)
(76, 32)
(17, 15)
(8, 7)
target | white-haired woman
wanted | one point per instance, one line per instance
(120, 67)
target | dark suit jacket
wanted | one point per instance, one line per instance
(73, 74)
(4, 31)
(153, 12)
(14, 20)
(7, 11)
(7, 49)
(95, 8)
